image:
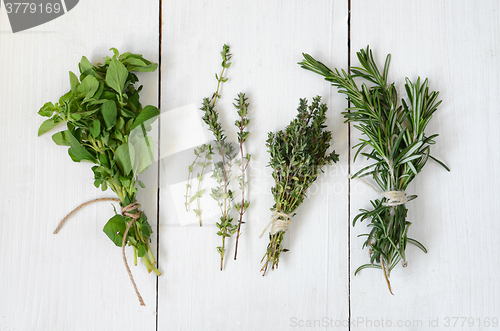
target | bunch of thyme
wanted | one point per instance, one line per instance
(399, 149)
(297, 156)
(107, 126)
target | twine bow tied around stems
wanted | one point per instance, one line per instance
(126, 211)
(280, 221)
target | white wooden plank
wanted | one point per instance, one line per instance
(266, 38)
(454, 44)
(75, 280)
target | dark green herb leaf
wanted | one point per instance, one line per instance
(147, 115)
(115, 228)
(61, 138)
(109, 113)
(47, 110)
(49, 124)
(124, 158)
(74, 82)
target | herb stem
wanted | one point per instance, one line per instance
(219, 81)
(189, 177)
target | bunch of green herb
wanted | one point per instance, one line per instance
(297, 156)
(204, 151)
(393, 130)
(241, 207)
(107, 126)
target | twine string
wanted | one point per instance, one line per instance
(80, 207)
(126, 211)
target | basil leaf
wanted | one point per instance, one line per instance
(141, 250)
(88, 87)
(80, 153)
(115, 228)
(95, 128)
(77, 152)
(144, 151)
(47, 109)
(73, 81)
(109, 113)
(61, 138)
(49, 124)
(84, 65)
(116, 76)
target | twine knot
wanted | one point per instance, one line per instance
(126, 211)
(280, 221)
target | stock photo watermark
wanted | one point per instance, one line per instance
(364, 323)
(24, 15)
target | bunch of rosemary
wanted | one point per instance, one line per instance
(394, 132)
(297, 156)
(107, 126)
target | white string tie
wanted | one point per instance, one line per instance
(280, 221)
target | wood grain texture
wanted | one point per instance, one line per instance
(74, 280)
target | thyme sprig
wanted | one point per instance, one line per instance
(222, 174)
(222, 170)
(297, 156)
(241, 207)
(206, 149)
(393, 130)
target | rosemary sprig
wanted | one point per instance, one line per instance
(242, 107)
(297, 156)
(394, 131)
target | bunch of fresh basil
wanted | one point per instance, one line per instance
(107, 125)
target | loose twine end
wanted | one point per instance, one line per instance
(59, 226)
(126, 211)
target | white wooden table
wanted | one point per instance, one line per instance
(76, 279)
